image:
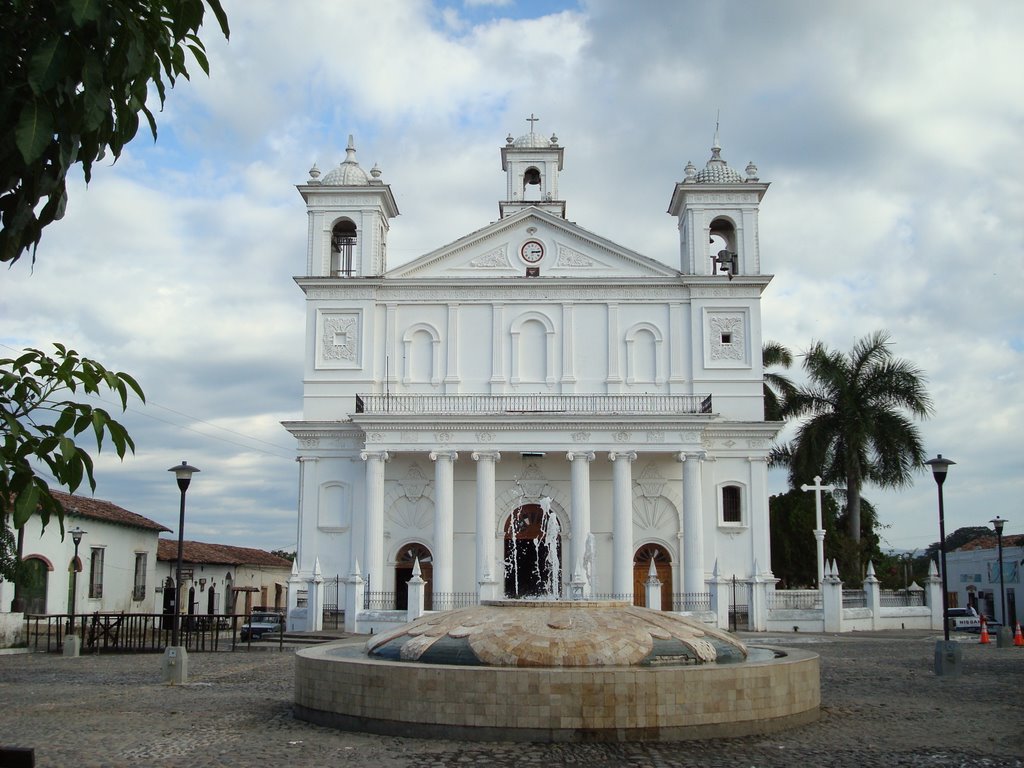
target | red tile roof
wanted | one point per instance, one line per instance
(98, 509)
(201, 553)
(991, 542)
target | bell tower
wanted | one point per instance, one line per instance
(349, 212)
(531, 164)
(717, 210)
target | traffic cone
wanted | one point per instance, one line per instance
(984, 632)
(1018, 638)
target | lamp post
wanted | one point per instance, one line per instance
(1003, 634)
(72, 645)
(76, 536)
(175, 658)
(946, 652)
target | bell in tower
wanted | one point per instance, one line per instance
(349, 212)
(531, 164)
(717, 210)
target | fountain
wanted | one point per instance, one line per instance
(545, 669)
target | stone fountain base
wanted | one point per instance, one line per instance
(604, 689)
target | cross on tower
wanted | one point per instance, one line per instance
(531, 120)
(819, 532)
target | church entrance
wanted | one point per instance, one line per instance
(529, 561)
(642, 572)
(403, 572)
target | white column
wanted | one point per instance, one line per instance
(451, 371)
(373, 544)
(444, 525)
(498, 345)
(486, 578)
(579, 505)
(568, 353)
(693, 528)
(622, 522)
(307, 539)
(760, 534)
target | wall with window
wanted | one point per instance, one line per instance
(117, 566)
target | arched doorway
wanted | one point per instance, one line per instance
(642, 572)
(529, 563)
(403, 572)
(32, 580)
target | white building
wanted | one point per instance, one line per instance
(220, 579)
(532, 359)
(117, 556)
(973, 576)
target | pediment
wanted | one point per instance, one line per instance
(495, 251)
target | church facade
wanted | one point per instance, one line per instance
(532, 404)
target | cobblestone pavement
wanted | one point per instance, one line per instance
(882, 705)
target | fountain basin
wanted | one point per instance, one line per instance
(650, 697)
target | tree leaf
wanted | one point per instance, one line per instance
(34, 131)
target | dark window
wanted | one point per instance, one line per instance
(139, 590)
(96, 573)
(731, 508)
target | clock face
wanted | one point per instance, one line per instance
(532, 251)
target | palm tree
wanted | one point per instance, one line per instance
(857, 426)
(776, 386)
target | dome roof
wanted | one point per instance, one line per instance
(348, 173)
(532, 141)
(717, 171)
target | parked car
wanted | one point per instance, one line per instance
(261, 624)
(964, 620)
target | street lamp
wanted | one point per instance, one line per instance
(939, 466)
(947, 654)
(183, 472)
(998, 524)
(76, 536)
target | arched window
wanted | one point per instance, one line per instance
(532, 184)
(343, 248)
(724, 247)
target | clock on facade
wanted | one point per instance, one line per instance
(532, 251)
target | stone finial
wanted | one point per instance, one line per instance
(751, 170)
(316, 567)
(314, 173)
(509, 140)
(416, 572)
(375, 171)
(690, 170)
(554, 140)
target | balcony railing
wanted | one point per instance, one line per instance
(596, 405)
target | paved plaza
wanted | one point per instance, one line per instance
(882, 705)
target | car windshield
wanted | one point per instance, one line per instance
(264, 618)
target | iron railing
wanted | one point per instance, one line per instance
(691, 601)
(900, 598)
(795, 599)
(135, 632)
(854, 598)
(482, 404)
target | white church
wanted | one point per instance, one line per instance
(531, 366)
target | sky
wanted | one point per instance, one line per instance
(890, 132)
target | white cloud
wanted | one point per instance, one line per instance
(890, 134)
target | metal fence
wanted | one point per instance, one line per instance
(691, 601)
(901, 598)
(854, 598)
(534, 403)
(136, 632)
(795, 599)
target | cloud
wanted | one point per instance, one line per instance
(889, 132)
